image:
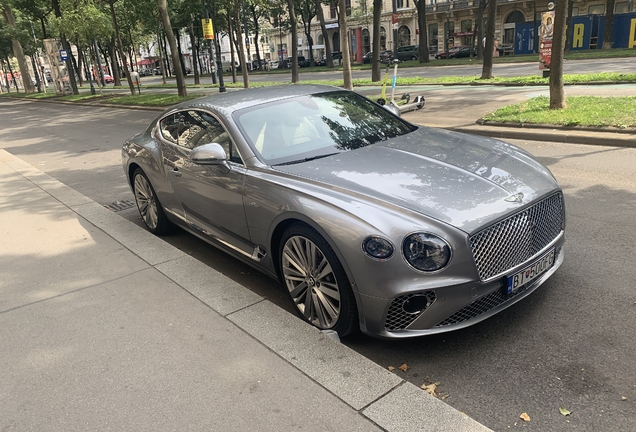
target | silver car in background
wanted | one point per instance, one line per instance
(368, 221)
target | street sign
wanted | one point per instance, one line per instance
(208, 31)
(331, 25)
(63, 55)
(247, 43)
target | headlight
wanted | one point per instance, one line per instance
(377, 248)
(426, 252)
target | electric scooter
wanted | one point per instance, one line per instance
(403, 105)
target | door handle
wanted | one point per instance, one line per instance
(176, 172)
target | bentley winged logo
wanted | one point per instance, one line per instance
(518, 198)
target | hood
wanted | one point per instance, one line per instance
(463, 180)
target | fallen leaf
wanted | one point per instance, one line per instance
(404, 367)
(623, 398)
(524, 417)
(391, 368)
(564, 412)
(430, 388)
(444, 397)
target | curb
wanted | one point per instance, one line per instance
(559, 135)
(366, 387)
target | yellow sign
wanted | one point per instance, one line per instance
(208, 31)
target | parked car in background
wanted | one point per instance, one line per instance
(368, 221)
(463, 51)
(408, 52)
(385, 56)
(108, 79)
(446, 54)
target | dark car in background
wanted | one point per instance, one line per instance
(463, 51)
(408, 52)
(385, 56)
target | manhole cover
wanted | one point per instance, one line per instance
(120, 205)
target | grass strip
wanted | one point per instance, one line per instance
(591, 111)
(159, 100)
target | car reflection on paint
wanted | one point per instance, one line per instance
(369, 222)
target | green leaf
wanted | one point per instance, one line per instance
(564, 412)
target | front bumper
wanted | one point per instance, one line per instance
(448, 308)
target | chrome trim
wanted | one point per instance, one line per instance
(534, 257)
(450, 258)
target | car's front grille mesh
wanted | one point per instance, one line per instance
(397, 318)
(517, 238)
(480, 306)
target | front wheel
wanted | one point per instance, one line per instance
(148, 205)
(316, 281)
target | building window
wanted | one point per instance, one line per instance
(366, 40)
(321, 40)
(348, 7)
(404, 36)
(332, 10)
(382, 38)
(622, 7)
(402, 4)
(516, 17)
(467, 25)
(596, 10)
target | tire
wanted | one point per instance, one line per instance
(148, 204)
(316, 282)
(414, 58)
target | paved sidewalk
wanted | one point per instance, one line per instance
(104, 326)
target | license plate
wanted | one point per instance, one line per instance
(525, 276)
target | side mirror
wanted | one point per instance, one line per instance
(209, 154)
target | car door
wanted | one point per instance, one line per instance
(211, 196)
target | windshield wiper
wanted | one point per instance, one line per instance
(306, 159)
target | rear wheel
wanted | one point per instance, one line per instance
(316, 282)
(148, 205)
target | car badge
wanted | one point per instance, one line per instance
(518, 198)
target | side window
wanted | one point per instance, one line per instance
(217, 134)
(169, 128)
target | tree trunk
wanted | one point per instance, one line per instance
(177, 37)
(557, 94)
(67, 47)
(609, 17)
(256, 33)
(486, 71)
(294, 36)
(167, 27)
(570, 29)
(120, 48)
(423, 39)
(376, 70)
(114, 64)
(344, 45)
(161, 54)
(7, 12)
(325, 35)
(80, 61)
(232, 58)
(195, 51)
(241, 47)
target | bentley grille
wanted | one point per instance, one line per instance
(517, 238)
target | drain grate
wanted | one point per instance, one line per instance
(118, 206)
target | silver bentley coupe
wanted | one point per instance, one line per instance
(368, 221)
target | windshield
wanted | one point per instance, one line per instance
(307, 127)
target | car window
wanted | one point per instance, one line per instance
(192, 128)
(311, 126)
(169, 128)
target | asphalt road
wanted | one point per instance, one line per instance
(568, 345)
